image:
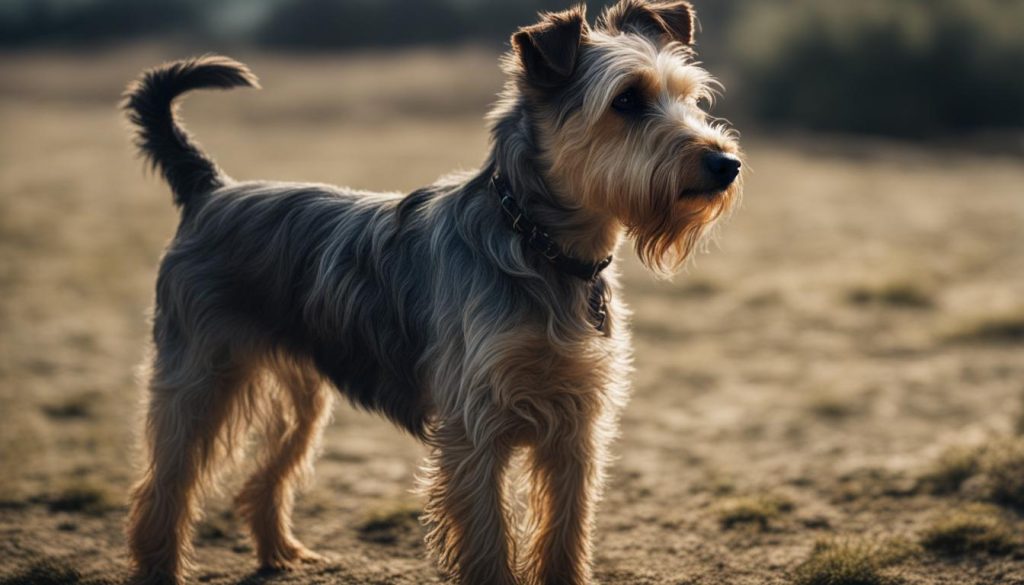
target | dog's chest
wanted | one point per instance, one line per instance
(540, 377)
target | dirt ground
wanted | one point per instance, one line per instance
(798, 389)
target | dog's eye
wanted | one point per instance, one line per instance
(628, 101)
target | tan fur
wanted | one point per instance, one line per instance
(197, 417)
(194, 413)
(294, 428)
(633, 180)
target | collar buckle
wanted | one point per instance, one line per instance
(538, 238)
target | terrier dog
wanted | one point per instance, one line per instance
(479, 313)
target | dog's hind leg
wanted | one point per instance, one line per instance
(293, 433)
(192, 413)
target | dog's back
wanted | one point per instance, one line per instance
(253, 265)
(265, 259)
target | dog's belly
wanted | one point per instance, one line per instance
(370, 356)
(386, 388)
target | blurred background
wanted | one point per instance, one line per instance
(834, 394)
(908, 68)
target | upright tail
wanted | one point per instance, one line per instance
(149, 104)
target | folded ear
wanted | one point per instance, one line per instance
(664, 20)
(548, 50)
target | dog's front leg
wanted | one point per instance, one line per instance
(565, 474)
(466, 509)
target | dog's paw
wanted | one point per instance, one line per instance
(309, 557)
(289, 556)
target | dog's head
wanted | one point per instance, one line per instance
(618, 112)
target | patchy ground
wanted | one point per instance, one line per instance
(832, 396)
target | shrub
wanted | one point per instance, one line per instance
(99, 21)
(913, 68)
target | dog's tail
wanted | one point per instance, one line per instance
(159, 135)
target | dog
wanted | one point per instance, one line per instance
(480, 314)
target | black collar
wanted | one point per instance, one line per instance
(538, 238)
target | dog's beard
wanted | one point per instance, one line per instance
(674, 205)
(654, 183)
(673, 225)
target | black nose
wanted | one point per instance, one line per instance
(722, 167)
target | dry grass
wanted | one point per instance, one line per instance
(1004, 328)
(731, 357)
(389, 523)
(952, 468)
(217, 526)
(1002, 467)
(50, 572)
(973, 529)
(45, 573)
(834, 405)
(754, 511)
(853, 562)
(74, 407)
(993, 471)
(84, 497)
(906, 294)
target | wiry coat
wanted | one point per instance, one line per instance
(426, 307)
(409, 305)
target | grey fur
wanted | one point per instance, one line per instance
(426, 307)
(361, 284)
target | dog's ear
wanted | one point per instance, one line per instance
(548, 50)
(664, 20)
